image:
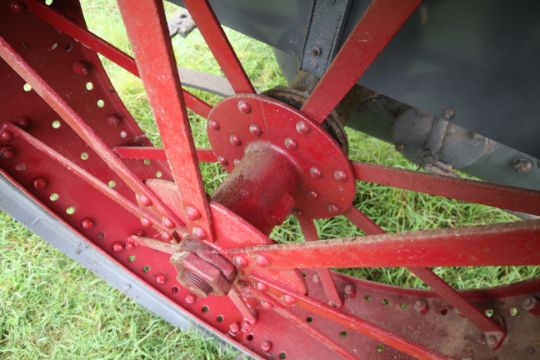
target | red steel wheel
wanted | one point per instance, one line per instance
(69, 146)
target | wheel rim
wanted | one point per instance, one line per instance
(36, 146)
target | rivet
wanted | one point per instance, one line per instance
(7, 153)
(192, 213)
(17, 7)
(262, 260)
(87, 223)
(244, 107)
(234, 328)
(316, 51)
(235, 140)
(261, 286)
(296, 212)
(240, 261)
(117, 247)
(246, 326)
(161, 279)
(529, 303)
(198, 232)
(266, 345)
(6, 136)
(332, 208)
(236, 162)
(222, 161)
(190, 299)
(302, 128)
(340, 175)
(315, 173)
(80, 68)
(114, 120)
(313, 194)
(290, 144)
(288, 299)
(145, 222)
(166, 236)
(421, 307)
(130, 244)
(39, 183)
(23, 122)
(255, 130)
(145, 200)
(168, 223)
(266, 305)
(213, 124)
(492, 341)
(315, 278)
(349, 291)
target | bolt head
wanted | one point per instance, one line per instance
(315, 173)
(39, 183)
(262, 260)
(87, 223)
(114, 120)
(80, 68)
(316, 51)
(166, 236)
(6, 136)
(290, 144)
(315, 278)
(261, 287)
(161, 279)
(222, 161)
(333, 209)
(145, 222)
(312, 194)
(213, 124)
(302, 128)
(349, 290)
(240, 261)
(244, 107)
(529, 303)
(145, 200)
(235, 140)
(340, 175)
(266, 305)
(23, 122)
(255, 130)
(266, 346)
(168, 223)
(17, 7)
(288, 300)
(421, 307)
(198, 232)
(523, 165)
(190, 299)
(7, 153)
(492, 341)
(192, 213)
(234, 328)
(117, 247)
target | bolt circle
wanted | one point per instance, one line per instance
(315, 173)
(235, 140)
(192, 213)
(266, 346)
(214, 125)
(255, 130)
(290, 144)
(302, 128)
(117, 247)
(161, 279)
(244, 107)
(7, 153)
(190, 299)
(145, 200)
(39, 183)
(6, 136)
(240, 261)
(87, 223)
(333, 209)
(340, 175)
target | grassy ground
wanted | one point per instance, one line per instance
(50, 307)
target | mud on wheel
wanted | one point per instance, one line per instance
(69, 146)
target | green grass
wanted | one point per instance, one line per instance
(51, 307)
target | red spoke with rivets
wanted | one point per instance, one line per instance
(155, 59)
(217, 41)
(380, 22)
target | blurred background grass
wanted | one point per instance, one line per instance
(51, 307)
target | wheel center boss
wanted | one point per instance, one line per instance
(278, 160)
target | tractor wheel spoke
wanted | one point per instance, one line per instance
(151, 153)
(504, 197)
(155, 60)
(515, 244)
(381, 20)
(211, 30)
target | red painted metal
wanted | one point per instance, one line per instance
(101, 46)
(208, 24)
(147, 29)
(152, 153)
(505, 197)
(374, 30)
(285, 311)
